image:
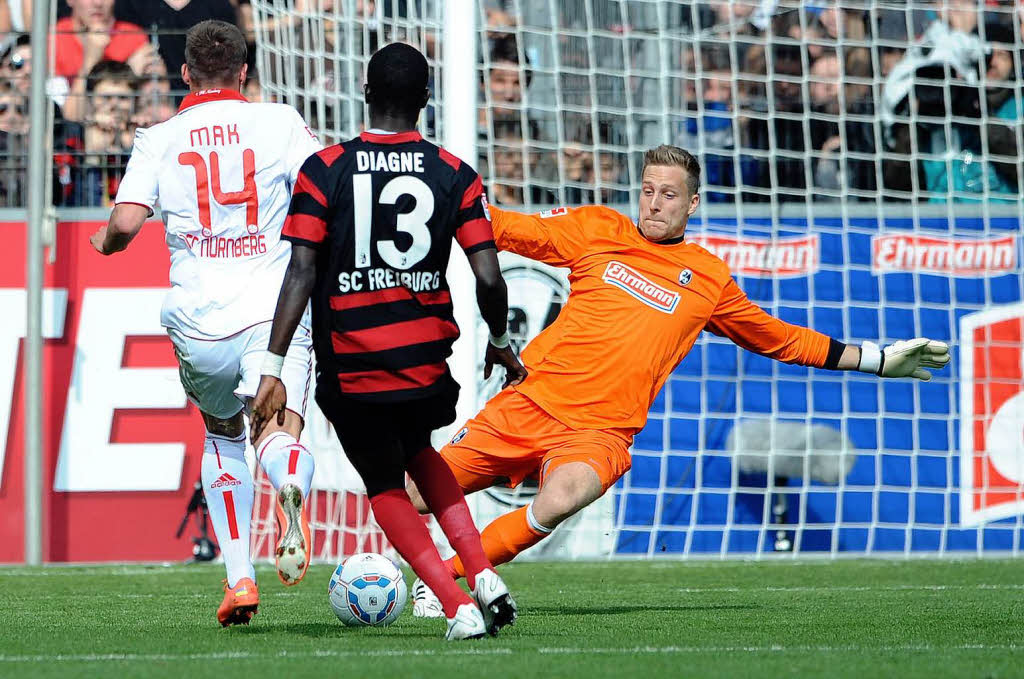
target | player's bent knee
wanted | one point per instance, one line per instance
(292, 424)
(416, 498)
(231, 428)
(565, 491)
(554, 509)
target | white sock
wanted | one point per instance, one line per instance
(285, 461)
(536, 525)
(228, 486)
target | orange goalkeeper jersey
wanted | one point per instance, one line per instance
(635, 309)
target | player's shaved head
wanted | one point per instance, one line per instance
(396, 80)
(215, 53)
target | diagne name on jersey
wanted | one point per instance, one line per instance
(636, 284)
(389, 161)
(379, 278)
(215, 135)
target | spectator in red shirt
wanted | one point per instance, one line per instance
(91, 35)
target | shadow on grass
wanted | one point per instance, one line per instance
(335, 630)
(618, 610)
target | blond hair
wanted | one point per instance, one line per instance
(673, 156)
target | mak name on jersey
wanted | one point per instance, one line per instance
(221, 135)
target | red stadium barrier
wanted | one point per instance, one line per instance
(121, 444)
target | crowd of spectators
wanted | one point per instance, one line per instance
(115, 67)
(781, 100)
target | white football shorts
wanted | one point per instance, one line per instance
(220, 375)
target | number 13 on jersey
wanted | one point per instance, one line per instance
(413, 223)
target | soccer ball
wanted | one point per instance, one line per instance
(367, 589)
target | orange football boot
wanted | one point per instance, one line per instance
(294, 543)
(240, 603)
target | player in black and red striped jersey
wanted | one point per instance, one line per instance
(371, 224)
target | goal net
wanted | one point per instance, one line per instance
(860, 175)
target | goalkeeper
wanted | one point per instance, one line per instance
(640, 296)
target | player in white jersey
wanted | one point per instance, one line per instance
(222, 171)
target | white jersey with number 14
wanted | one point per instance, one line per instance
(222, 172)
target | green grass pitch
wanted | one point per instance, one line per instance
(858, 619)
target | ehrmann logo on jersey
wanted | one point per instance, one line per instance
(636, 284)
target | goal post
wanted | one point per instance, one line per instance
(312, 54)
(860, 175)
(458, 106)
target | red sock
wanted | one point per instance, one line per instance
(403, 526)
(503, 539)
(444, 497)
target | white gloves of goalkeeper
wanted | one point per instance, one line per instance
(906, 358)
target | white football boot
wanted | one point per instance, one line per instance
(425, 603)
(468, 623)
(496, 604)
(294, 536)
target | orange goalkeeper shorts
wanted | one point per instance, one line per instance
(513, 438)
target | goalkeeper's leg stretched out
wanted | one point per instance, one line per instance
(508, 441)
(566, 490)
(383, 442)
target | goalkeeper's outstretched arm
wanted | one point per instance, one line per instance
(749, 326)
(906, 358)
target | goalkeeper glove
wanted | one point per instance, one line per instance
(906, 358)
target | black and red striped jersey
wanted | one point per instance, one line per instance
(382, 210)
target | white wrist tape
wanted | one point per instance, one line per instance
(499, 342)
(870, 358)
(272, 365)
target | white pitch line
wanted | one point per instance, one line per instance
(384, 653)
(246, 655)
(644, 650)
(79, 571)
(695, 562)
(73, 570)
(844, 588)
(212, 594)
